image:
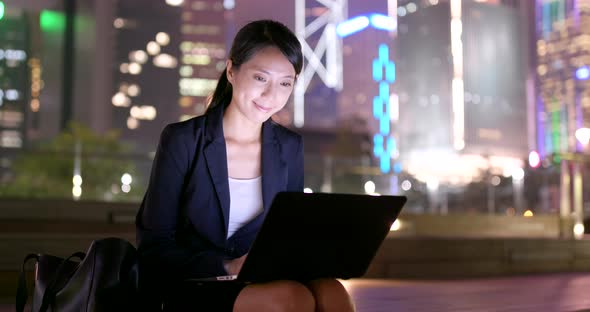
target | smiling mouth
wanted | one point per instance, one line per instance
(262, 108)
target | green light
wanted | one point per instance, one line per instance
(1, 10)
(52, 21)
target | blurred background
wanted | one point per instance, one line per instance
(477, 111)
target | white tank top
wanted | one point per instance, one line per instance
(245, 202)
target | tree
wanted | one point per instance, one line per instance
(47, 171)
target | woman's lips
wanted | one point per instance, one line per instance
(262, 108)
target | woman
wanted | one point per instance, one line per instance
(213, 180)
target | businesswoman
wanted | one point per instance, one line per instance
(213, 180)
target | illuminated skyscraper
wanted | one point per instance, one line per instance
(203, 49)
(563, 97)
(147, 61)
(369, 80)
(17, 99)
(15, 88)
(563, 54)
(462, 89)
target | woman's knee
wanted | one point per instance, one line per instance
(292, 296)
(330, 295)
(284, 296)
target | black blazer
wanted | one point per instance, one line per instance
(183, 220)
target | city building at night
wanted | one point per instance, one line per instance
(462, 90)
(145, 94)
(203, 51)
(15, 87)
(563, 95)
(19, 98)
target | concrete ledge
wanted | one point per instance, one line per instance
(480, 225)
(428, 258)
(63, 210)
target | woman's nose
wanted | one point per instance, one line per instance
(268, 91)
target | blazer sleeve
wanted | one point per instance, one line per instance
(157, 221)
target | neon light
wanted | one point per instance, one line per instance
(52, 21)
(352, 26)
(1, 10)
(383, 62)
(381, 108)
(383, 22)
(356, 24)
(384, 145)
(382, 150)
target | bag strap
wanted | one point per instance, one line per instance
(22, 293)
(51, 290)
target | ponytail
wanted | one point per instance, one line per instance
(222, 94)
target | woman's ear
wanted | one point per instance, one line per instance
(229, 71)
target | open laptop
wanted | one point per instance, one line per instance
(306, 236)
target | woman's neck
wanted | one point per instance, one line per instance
(236, 127)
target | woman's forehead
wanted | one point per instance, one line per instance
(271, 61)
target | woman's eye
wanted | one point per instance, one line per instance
(286, 84)
(258, 78)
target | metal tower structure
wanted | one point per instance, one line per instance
(325, 59)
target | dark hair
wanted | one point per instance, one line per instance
(252, 38)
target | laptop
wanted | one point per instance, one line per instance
(306, 236)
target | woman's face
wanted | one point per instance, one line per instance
(262, 85)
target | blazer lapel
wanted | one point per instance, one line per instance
(216, 158)
(274, 168)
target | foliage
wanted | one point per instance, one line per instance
(47, 171)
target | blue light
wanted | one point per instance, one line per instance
(356, 24)
(381, 112)
(383, 62)
(377, 144)
(378, 103)
(390, 72)
(583, 73)
(377, 70)
(384, 144)
(383, 22)
(352, 26)
(397, 168)
(384, 154)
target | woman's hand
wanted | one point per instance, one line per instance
(234, 266)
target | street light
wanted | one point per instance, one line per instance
(583, 135)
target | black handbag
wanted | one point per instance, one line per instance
(105, 279)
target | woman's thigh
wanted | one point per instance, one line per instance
(275, 296)
(330, 295)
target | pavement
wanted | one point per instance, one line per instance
(545, 292)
